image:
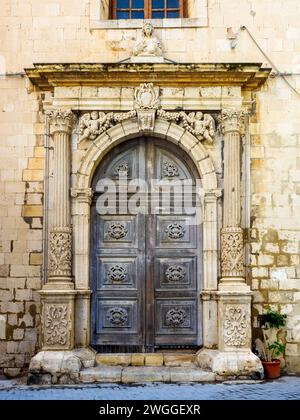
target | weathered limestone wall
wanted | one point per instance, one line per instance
(32, 31)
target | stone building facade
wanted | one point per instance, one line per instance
(237, 63)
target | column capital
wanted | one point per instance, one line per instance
(232, 120)
(61, 120)
(82, 195)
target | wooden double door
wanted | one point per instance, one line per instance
(146, 264)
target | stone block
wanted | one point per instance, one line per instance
(145, 374)
(113, 359)
(3, 319)
(104, 374)
(32, 211)
(18, 334)
(36, 163)
(137, 359)
(155, 359)
(4, 270)
(194, 374)
(179, 359)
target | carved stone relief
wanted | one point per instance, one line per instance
(235, 326)
(232, 252)
(60, 251)
(149, 45)
(146, 109)
(56, 324)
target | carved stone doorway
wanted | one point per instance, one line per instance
(146, 270)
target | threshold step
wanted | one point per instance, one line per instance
(146, 359)
(142, 374)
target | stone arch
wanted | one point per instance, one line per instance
(162, 129)
(81, 217)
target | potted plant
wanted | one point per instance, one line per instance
(271, 347)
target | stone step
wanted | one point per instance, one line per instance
(146, 359)
(142, 374)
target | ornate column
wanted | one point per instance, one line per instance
(58, 293)
(233, 356)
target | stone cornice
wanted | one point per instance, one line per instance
(249, 76)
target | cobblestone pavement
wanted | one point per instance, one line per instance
(286, 388)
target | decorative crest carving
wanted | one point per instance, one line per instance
(146, 102)
(235, 326)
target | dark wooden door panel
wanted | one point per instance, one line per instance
(146, 269)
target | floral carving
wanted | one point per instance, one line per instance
(232, 252)
(235, 326)
(175, 231)
(170, 169)
(175, 317)
(117, 316)
(175, 273)
(117, 230)
(117, 274)
(122, 169)
(56, 325)
(60, 252)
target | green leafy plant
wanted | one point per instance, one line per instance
(271, 323)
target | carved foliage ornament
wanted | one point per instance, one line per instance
(175, 317)
(117, 230)
(117, 316)
(175, 231)
(235, 326)
(56, 324)
(61, 120)
(122, 169)
(232, 252)
(60, 252)
(146, 109)
(232, 120)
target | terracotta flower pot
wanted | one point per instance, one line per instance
(272, 369)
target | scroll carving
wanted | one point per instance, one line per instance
(56, 324)
(60, 252)
(235, 327)
(232, 252)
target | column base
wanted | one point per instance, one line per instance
(231, 364)
(59, 367)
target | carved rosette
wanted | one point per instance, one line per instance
(117, 230)
(60, 252)
(175, 317)
(170, 170)
(56, 325)
(232, 120)
(175, 273)
(117, 274)
(232, 252)
(175, 231)
(117, 317)
(235, 326)
(61, 120)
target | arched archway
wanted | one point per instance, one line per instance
(81, 213)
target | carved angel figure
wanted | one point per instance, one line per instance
(200, 125)
(149, 45)
(91, 125)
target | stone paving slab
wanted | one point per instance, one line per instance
(286, 388)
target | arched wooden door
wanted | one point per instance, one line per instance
(145, 268)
